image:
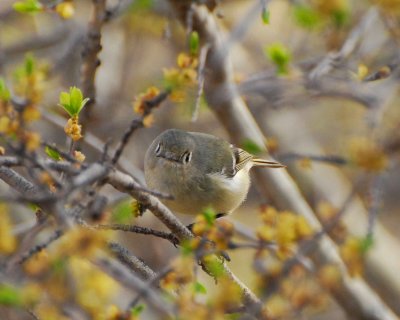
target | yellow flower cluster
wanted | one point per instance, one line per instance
(328, 214)
(388, 6)
(181, 78)
(82, 242)
(353, 255)
(139, 103)
(297, 291)
(182, 273)
(220, 232)
(73, 129)
(285, 228)
(94, 288)
(66, 9)
(367, 154)
(332, 6)
(8, 242)
(79, 156)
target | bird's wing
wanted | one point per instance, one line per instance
(241, 158)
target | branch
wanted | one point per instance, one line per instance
(90, 53)
(131, 261)
(141, 230)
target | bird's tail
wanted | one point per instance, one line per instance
(267, 163)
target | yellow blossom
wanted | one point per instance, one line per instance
(277, 306)
(362, 71)
(305, 163)
(38, 264)
(79, 156)
(32, 140)
(94, 288)
(31, 294)
(139, 105)
(352, 255)
(269, 215)
(303, 229)
(4, 124)
(286, 228)
(189, 76)
(186, 61)
(148, 120)
(367, 154)
(329, 276)
(266, 233)
(182, 273)
(221, 234)
(272, 144)
(66, 9)
(8, 242)
(73, 129)
(83, 242)
(330, 7)
(31, 113)
(49, 311)
(229, 294)
(389, 6)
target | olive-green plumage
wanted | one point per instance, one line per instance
(199, 170)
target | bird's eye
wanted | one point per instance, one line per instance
(186, 157)
(158, 149)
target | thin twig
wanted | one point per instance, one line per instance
(200, 87)
(140, 230)
(131, 260)
(291, 156)
(90, 53)
(36, 249)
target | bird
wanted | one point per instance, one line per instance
(199, 171)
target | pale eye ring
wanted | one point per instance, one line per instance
(158, 149)
(186, 157)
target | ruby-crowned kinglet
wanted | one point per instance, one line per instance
(199, 171)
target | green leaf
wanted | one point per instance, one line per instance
(251, 147)
(73, 101)
(209, 214)
(265, 15)
(64, 99)
(28, 6)
(141, 5)
(199, 288)
(29, 64)
(4, 92)
(215, 266)
(83, 103)
(10, 296)
(59, 266)
(340, 18)
(136, 311)
(76, 98)
(122, 212)
(194, 43)
(280, 56)
(52, 153)
(306, 17)
(186, 248)
(367, 243)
